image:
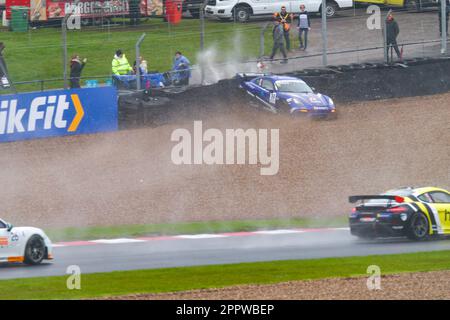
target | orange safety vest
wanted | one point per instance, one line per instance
(281, 17)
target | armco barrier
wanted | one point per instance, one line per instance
(58, 113)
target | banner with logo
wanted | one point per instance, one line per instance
(57, 113)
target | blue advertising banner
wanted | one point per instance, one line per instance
(58, 113)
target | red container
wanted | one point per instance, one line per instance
(10, 3)
(174, 10)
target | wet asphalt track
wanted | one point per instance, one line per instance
(190, 252)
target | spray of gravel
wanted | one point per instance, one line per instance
(216, 68)
(128, 178)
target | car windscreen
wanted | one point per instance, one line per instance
(294, 86)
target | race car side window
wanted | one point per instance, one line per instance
(2, 225)
(267, 84)
(440, 197)
(257, 81)
(425, 197)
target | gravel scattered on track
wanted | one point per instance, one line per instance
(128, 177)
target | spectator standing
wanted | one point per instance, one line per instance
(447, 11)
(278, 41)
(303, 26)
(181, 70)
(285, 18)
(143, 67)
(120, 65)
(3, 69)
(392, 31)
(76, 67)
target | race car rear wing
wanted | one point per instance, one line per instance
(353, 199)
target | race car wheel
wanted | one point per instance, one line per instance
(283, 107)
(418, 227)
(35, 250)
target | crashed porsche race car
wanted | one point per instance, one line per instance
(413, 212)
(287, 94)
(23, 244)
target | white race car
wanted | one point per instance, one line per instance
(23, 244)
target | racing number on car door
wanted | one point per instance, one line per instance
(441, 202)
(273, 98)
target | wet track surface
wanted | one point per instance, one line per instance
(191, 252)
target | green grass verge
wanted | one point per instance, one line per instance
(37, 54)
(176, 279)
(90, 233)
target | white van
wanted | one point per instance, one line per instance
(241, 10)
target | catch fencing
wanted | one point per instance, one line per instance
(36, 59)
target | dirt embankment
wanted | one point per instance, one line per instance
(406, 286)
(128, 177)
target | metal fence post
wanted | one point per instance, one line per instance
(324, 33)
(444, 27)
(64, 48)
(385, 50)
(202, 39)
(138, 61)
(262, 40)
(385, 46)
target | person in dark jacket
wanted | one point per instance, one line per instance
(3, 69)
(447, 11)
(278, 41)
(4, 81)
(303, 26)
(76, 66)
(392, 31)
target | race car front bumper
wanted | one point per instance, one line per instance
(314, 114)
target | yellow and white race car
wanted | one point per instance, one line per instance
(23, 244)
(413, 212)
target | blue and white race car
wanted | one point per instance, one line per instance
(287, 94)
